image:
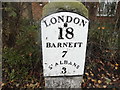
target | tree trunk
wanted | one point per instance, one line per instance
(27, 11)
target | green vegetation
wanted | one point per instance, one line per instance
(21, 53)
(102, 61)
(65, 6)
(22, 59)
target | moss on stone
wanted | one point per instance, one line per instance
(76, 7)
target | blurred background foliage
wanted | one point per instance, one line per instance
(22, 58)
(21, 47)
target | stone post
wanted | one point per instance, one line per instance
(67, 19)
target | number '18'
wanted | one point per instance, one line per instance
(69, 33)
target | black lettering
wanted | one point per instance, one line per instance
(79, 44)
(75, 44)
(70, 63)
(53, 45)
(53, 20)
(56, 64)
(69, 19)
(65, 44)
(70, 45)
(46, 23)
(64, 70)
(74, 64)
(65, 62)
(77, 66)
(61, 62)
(60, 33)
(60, 19)
(69, 34)
(76, 20)
(59, 45)
(83, 22)
(50, 67)
(65, 52)
(48, 45)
